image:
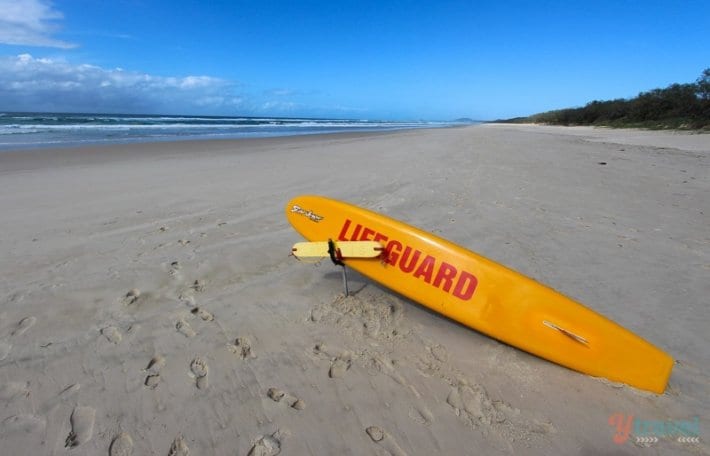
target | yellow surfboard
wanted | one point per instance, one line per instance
(485, 295)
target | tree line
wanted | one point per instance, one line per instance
(679, 106)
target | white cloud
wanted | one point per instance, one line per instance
(31, 23)
(40, 84)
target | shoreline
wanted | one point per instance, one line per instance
(55, 130)
(96, 153)
(148, 289)
(11, 158)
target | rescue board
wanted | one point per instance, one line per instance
(485, 295)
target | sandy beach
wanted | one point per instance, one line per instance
(149, 304)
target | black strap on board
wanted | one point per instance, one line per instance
(334, 254)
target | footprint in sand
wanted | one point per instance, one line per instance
(340, 361)
(198, 285)
(179, 447)
(23, 325)
(339, 366)
(202, 313)
(187, 298)
(122, 445)
(471, 403)
(389, 367)
(152, 381)
(132, 296)
(185, 329)
(267, 445)
(82, 426)
(153, 378)
(242, 348)
(292, 401)
(200, 370)
(112, 334)
(439, 353)
(385, 441)
(156, 363)
(174, 270)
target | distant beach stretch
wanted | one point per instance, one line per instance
(41, 130)
(150, 304)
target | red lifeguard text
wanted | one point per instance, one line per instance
(434, 271)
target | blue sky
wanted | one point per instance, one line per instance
(398, 60)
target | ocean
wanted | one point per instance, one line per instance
(42, 130)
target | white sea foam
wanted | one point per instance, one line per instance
(41, 129)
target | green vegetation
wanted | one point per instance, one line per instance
(678, 106)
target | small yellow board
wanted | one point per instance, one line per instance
(343, 249)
